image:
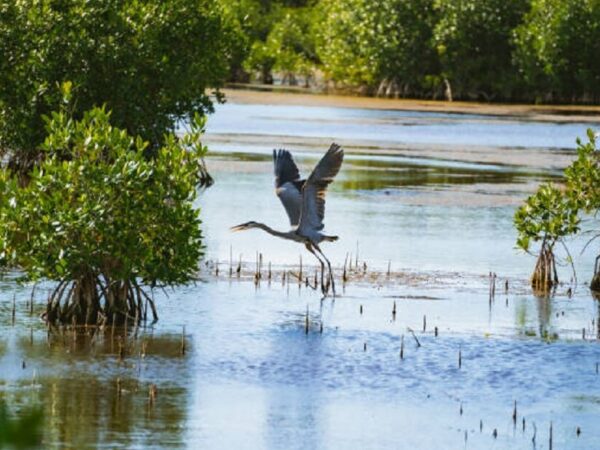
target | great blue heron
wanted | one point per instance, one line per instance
(304, 202)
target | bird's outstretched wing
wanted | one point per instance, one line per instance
(288, 185)
(313, 192)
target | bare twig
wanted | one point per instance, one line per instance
(414, 336)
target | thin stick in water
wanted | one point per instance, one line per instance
(402, 347)
(31, 299)
(414, 336)
(14, 310)
(344, 274)
(183, 341)
(306, 321)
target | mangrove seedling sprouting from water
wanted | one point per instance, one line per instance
(546, 217)
(102, 219)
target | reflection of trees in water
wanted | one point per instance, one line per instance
(90, 395)
(544, 310)
(543, 306)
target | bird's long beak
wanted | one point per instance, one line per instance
(240, 227)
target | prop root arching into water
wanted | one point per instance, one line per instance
(95, 300)
(544, 276)
(595, 283)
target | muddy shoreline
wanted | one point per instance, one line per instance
(542, 113)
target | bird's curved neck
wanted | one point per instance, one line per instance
(291, 235)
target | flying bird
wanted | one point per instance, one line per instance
(304, 203)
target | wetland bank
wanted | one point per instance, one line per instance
(420, 357)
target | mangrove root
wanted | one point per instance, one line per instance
(544, 276)
(95, 300)
(595, 283)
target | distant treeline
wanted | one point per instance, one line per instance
(491, 50)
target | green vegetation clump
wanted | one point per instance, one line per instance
(547, 216)
(490, 50)
(102, 219)
(557, 49)
(383, 47)
(583, 180)
(150, 62)
(553, 213)
(473, 41)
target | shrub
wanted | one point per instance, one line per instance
(102, 219)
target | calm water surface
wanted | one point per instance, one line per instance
(252, 378)
(394, 126)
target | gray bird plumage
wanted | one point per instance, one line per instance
(313, 192)
(304, 201)
(288, 185)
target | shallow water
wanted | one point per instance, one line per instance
(395, 126)
(251, 377)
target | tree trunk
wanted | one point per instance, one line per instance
(448, 90)
(544, 276)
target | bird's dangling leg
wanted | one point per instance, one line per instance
(329, 267)
(310, 249)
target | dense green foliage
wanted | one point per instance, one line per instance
(552, 213)
(98, 212)
(473, 40)
(275, 36)
(380, 45)
(463, 49)
(558, 47)
(547, 216)
(149, 62)
(583, 175)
